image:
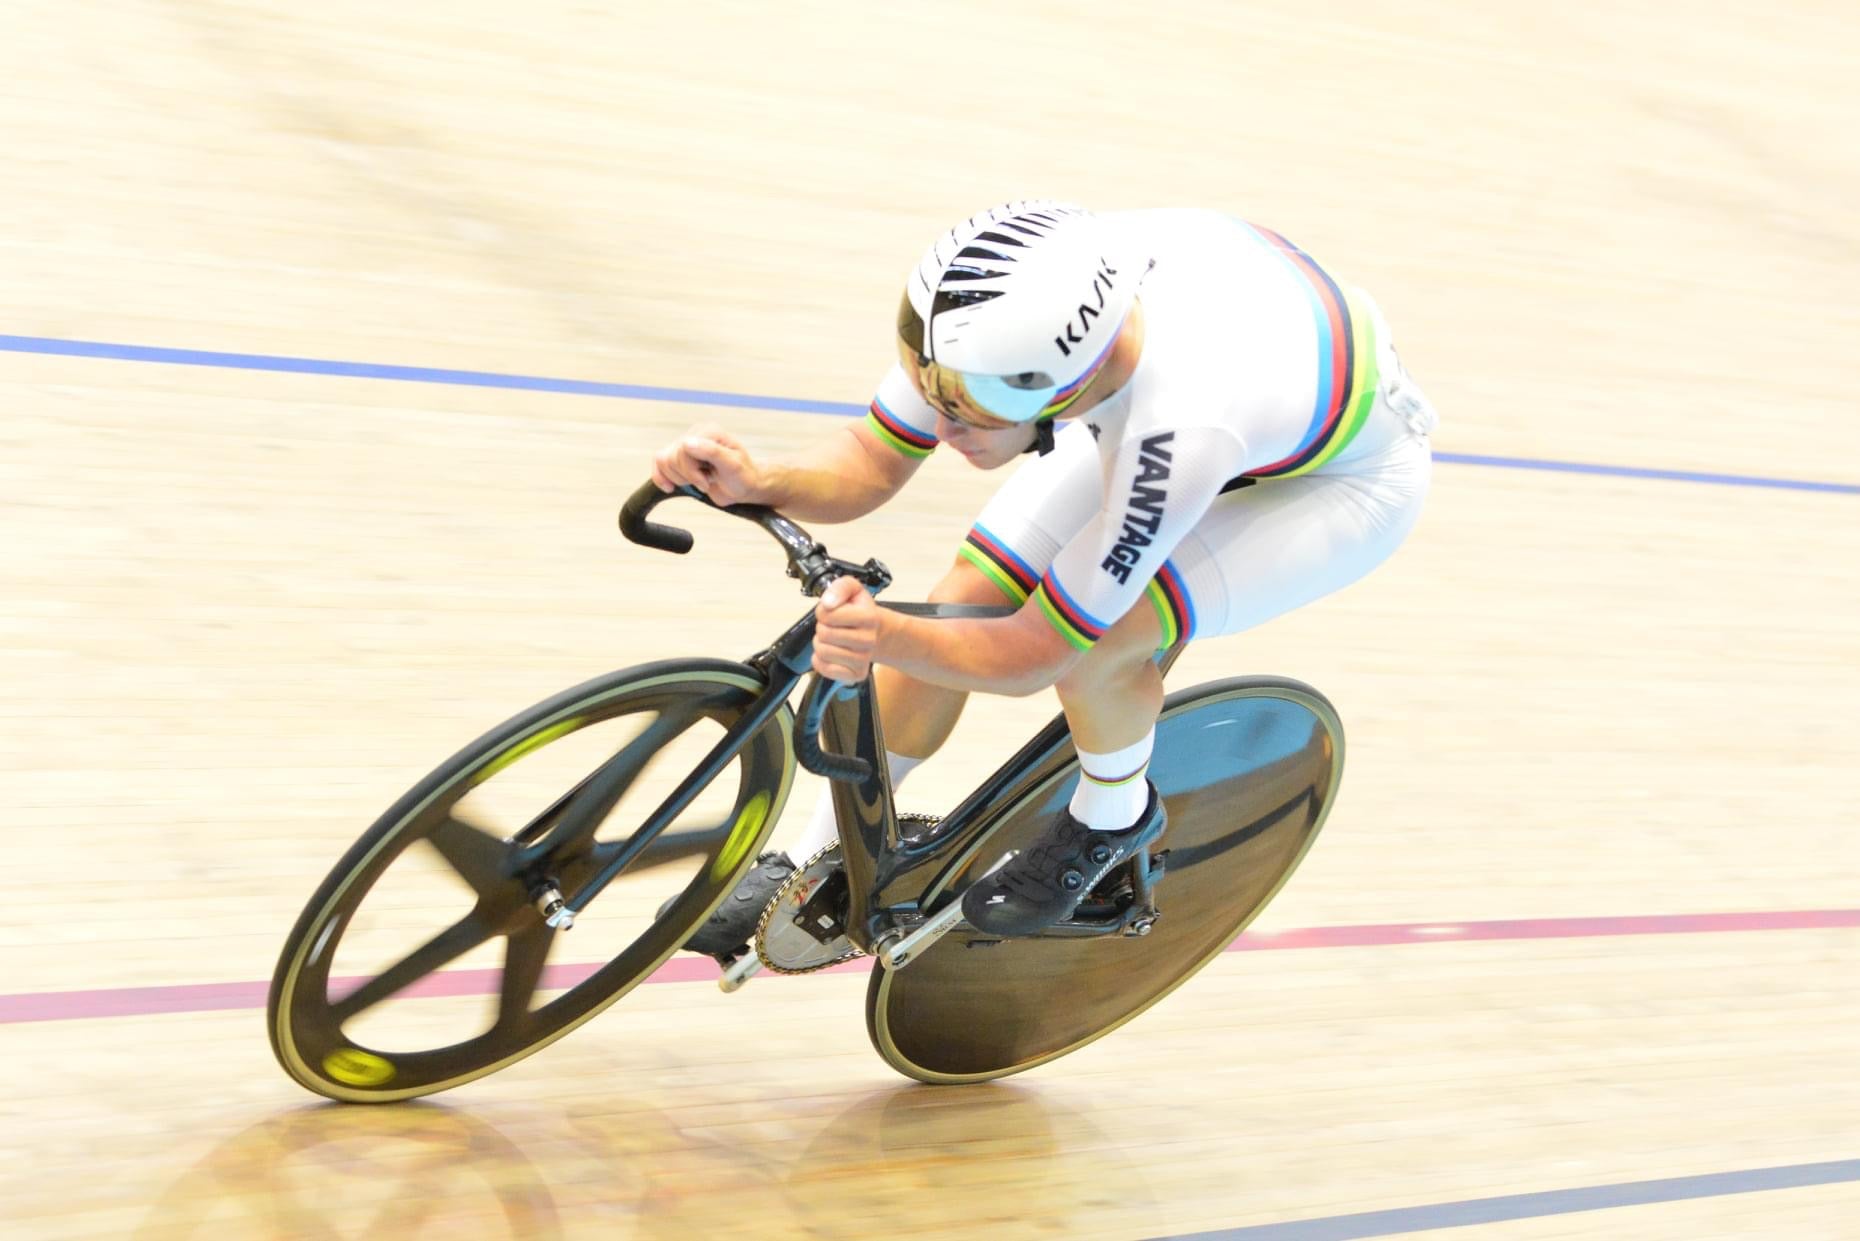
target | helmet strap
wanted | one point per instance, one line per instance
(1042, 438)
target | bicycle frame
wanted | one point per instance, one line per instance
(894, 882)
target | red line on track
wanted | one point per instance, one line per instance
(221, 996)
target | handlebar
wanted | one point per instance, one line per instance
(807, 560)
(635, 526)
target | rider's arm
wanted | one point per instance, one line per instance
(847, 476)
(863, 465)
(1160, 486)
(1015, 655)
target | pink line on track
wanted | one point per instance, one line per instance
(220, 996)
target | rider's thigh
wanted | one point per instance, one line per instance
(1262, 551)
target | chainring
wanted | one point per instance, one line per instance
(780, 942)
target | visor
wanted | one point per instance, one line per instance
(989, 402)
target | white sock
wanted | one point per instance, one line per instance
(1112, 792)
(823, 829)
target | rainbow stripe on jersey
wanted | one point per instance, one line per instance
(1175, 611)
(898, 433)
(1347, 372)
(1000, 565)
(1073, 622)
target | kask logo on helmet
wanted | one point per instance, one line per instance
(1078, 327)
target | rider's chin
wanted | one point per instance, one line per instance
(985, 453)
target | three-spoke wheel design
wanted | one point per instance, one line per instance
(368, 1003)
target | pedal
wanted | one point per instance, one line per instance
(1123, 903)
(1145, 871)
(803, 927)
(737, 971)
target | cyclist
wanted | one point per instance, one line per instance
(1235, 438)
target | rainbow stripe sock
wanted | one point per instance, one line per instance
(1113, 789)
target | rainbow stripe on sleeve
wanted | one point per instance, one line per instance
(1000, 565)
(1347, 372)
(896, 432)
(1074, 623)
(1175, 612)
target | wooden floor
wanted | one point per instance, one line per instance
(241, 609)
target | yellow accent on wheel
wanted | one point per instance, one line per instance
(742, 836)
(354, 1067)
(531, 743)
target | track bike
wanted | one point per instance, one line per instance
(671, 777)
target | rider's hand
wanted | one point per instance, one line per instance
(711, 460)
(847, 631)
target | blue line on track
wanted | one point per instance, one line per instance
(739, 400)
(1633, 471)
(1534, 1206)
(411, 374)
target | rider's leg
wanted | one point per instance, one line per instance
(918, 717)
(1111, 699)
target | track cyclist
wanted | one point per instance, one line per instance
(1222, 433)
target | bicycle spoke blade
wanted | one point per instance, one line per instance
(525, 954)
(603, 788)
(478, 856)
(619, 772)
(447, 946)
(676, 846)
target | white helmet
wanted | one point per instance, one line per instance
(1016, 309)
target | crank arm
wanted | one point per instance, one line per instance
(896, 951)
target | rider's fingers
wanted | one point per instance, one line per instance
(666, 473)
(855, 632)
(718, 453)
(845, 648)
(711, 469)
(840, 592)
(839, 635)
(840, 670)
(678, 474)
(711, 433)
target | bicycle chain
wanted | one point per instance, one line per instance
(775, 902)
